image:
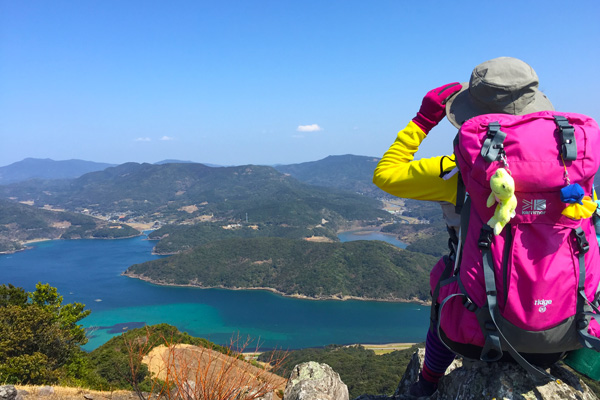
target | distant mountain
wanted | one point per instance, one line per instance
(185, 162)
(20, 223)
(347, 172)
(32, 168)
(194, 192)
(174, 162)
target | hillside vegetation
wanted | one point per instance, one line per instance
(20, 223)
(177, 238)
(39, 335)
(363, 269)
(347, 172)
(360, 369)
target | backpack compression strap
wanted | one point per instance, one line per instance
(486, 315)
(584, 307)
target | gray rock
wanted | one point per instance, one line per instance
(8, 392)
(509, 381)
(314, 381)
(21, 394)
(479, 380)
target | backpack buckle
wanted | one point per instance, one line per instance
(469, 305)
(485, 237)
(582, 324)
(493, 143)
(582, 242)
(567, 136)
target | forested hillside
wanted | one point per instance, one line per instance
(177, 238)
(362, 269)
(347, 172)
(20, 223)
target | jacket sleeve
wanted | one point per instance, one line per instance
(399, 174)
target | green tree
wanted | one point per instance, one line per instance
(11, 295)
(39, 336)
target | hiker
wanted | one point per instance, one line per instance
(502, 85)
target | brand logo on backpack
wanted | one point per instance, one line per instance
(535, 207)
(542, 303)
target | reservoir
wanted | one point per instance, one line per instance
(89, 271)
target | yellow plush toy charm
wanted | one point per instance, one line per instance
(503, 192)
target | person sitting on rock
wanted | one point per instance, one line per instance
(435, 179)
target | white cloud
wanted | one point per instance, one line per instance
(309, 128)
(167, 138)
(143, 139)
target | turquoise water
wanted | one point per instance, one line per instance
(89, 271)
(370, 235)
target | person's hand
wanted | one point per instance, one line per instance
(433, 107)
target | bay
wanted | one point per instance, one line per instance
(89, 271)
(370, 235)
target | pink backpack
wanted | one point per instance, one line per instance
(535, 287)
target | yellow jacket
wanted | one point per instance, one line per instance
(399, 174)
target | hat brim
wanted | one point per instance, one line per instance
(462, 106)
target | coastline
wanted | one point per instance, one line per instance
(272, 290)
(378, 348)
(32, 241)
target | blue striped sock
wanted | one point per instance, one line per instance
(437, 358)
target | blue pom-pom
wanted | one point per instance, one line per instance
(572, 194)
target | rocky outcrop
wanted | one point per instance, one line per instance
(471, 381)
(480, 380)
(8, 392)
(314, 381)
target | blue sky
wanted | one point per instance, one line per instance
(264, 82)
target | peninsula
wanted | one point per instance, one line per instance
(366, 270)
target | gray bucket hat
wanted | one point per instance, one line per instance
(503, 85)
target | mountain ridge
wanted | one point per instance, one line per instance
(186, 191)
(46, 168)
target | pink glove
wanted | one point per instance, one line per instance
(433, 107)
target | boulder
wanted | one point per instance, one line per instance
(315, 381)
(509, 381)
(479, 380)
(8, 392)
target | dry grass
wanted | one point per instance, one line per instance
(200, 373)
(68, 393)
(214, 374)
(380, 349)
